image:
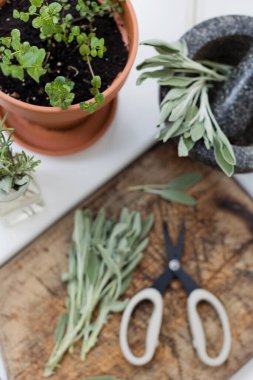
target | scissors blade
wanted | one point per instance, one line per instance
(186, 280)
(162, 282)
(173, 252)
(170, 249)
(180, 242)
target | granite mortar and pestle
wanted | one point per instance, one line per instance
(229, 40)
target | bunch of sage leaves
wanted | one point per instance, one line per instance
(173, 191)
(186, 106)
(102, 258)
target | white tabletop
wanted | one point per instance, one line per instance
(65, 181)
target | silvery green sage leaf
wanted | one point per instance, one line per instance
(176, 81)
(197, 131)
(182, 148)
(221, 161)
(152, 74)
(185, 181)
(174, 127)
(178, 197)
(173, 190)
(163, 47)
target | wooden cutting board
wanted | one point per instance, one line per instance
(218, 254)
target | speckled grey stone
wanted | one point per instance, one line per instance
(228, 39)
(232, 103)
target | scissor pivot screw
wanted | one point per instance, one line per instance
(174, 265)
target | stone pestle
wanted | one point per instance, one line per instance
(233, 102)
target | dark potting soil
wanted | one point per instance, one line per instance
(64, 61)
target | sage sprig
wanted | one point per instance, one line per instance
(186, 107)
(102, 257)
(173, 191)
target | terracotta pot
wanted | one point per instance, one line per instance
(50, 130)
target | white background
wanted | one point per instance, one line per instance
(67, 180)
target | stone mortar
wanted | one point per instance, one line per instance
(228, 39)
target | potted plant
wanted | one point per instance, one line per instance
(62, 64)
(15, 168)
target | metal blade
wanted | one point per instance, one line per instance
(188, 283)
(162, 282)
(170, 248)
(173, 252)
(180, 242)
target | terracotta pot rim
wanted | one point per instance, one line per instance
(106, 93)
(83, 144)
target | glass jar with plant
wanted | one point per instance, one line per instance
(60, 62)
(17, 187)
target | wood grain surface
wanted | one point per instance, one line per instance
(218, 254)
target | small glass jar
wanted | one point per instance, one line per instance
(18, 205)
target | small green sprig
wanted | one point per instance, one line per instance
(65, 4)
(113, 6)
(18, 57)
(102, 258)
(186, 107)
(90, 9)
(51, 20)
(90, 46)
(95, 91)
(60, 92)
(46, 17)
(15, 169)
(174, 191)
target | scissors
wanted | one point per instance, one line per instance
(154, 294)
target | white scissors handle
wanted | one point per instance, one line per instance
(196, 326)
(153, 329)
